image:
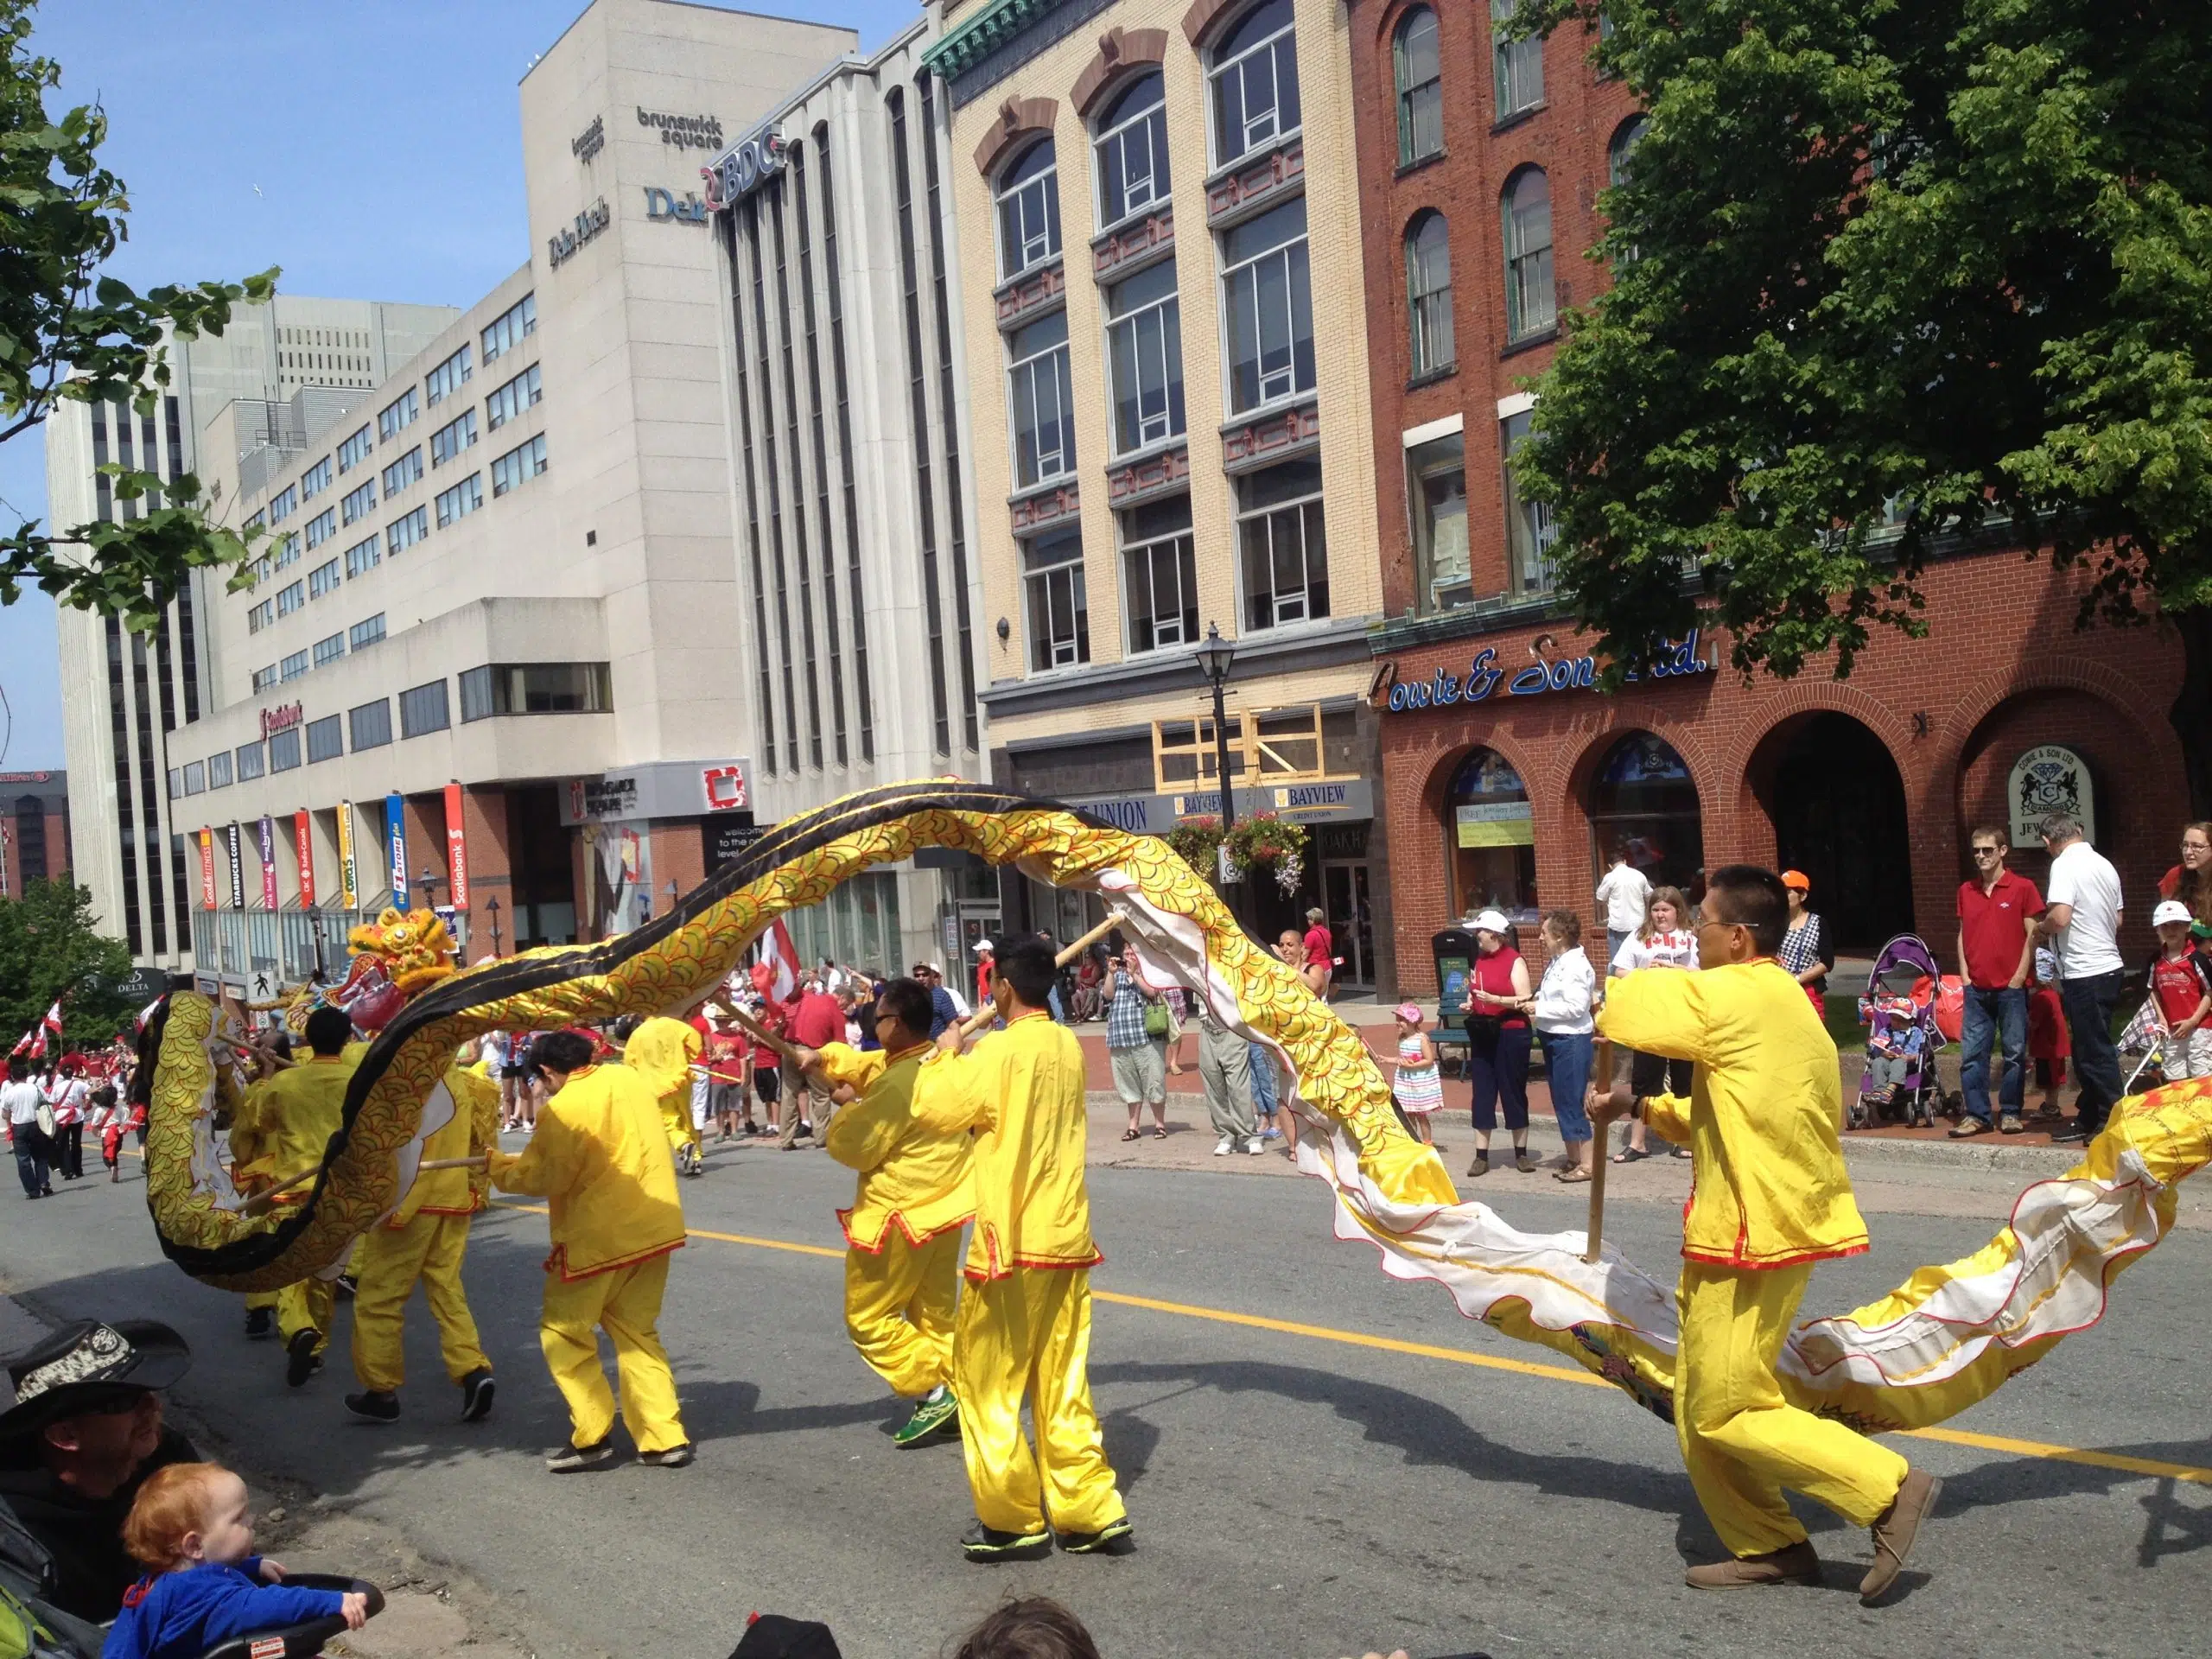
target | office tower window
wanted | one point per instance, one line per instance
(290, 597)
(356, 450)
(524, 392)
(280, 505)
(324, 579)
(1283, 546)
(405, 532)
(366, 633)
(315, 479)
(252, 762)
(1029, 208)
(453, 437)
(264, 677)
(328, 650)
(326, 738)
(1059, 611)
(1131, 150)
(1254, 77)
(358, 503)
(423, 709)
(218, 769)
(447, 377)
(1266, 294)
(1144, 358)
(1159, 575)
(284, 750)
(461, 500)
(369, 725)
(397, 416)
(404, 472)
(1039, 396)
(518, 466)
(292, 667)
(509, 328)
(363, 556)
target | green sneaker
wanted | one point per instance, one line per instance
(1112, 1539)
(936, 1413)
(983, 1543)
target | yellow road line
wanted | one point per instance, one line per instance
(2043, 1449)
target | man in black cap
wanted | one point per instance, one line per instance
(81, 1432)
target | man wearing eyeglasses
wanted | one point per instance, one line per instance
(1997, 950)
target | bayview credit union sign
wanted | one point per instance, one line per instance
(1486, 677)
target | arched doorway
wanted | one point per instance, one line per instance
(1839, 812)
(1492, 832)
(1643, 802)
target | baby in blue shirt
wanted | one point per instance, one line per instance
(191, 1524)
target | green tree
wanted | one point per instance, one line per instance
(1892, 278)
(49, 949)
(68, 331)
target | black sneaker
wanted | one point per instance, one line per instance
(1114, 1538)
(983, 1543)
(301, 1360)
(347, 1285)
(260, 1322)
(377, 1405)
(570, 1458)
(476, 1391)
(674, 1456)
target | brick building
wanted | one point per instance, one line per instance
(34, 829)
(1505, 780)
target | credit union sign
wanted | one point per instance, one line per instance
(1342, 800)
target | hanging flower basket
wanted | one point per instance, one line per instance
(1270, 843)
(1194, 840)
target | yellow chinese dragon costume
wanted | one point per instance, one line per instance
(1944, 1340)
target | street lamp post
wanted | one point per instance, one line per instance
(427, 881)
(1215, 654)
(492, 909)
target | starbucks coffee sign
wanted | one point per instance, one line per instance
(2047, 779)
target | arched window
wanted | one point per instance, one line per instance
(1254, 72)
(1029, 210)
(1517, 60)
(1420, 71)
(1493, 835)
(1531, 303)
(1131, 150)
(1644, 803)
(1626, 137)
(1428, 294)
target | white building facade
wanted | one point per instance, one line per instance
(490, 660)
(851, 492)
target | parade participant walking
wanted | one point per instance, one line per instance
(2083, 921)
(1024, 1327)
(1770, 1198)
(20, 1102)
(67, 1094)
(902, 1234)
(602, 1156)
(293, 1114)
(1996, 954)
(663, 1051)
(423, 1242)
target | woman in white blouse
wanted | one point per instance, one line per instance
(1561, 1013)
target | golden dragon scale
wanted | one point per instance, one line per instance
(1944, 1340)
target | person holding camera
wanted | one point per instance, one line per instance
(1136, 1044)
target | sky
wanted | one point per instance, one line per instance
(372, 151)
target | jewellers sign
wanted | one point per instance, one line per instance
(755, 160)
(658, 789)
(563, 245)
(1486, 676)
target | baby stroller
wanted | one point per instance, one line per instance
(1903, 1039)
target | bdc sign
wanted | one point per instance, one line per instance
(744, 168)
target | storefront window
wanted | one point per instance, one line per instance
(1644, 802)
(1493, 838)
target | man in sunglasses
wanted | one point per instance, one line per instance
(1770, 1198)
(1997, 952)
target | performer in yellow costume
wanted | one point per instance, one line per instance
(902, 1260)
(1024, 1326)
(663, 1051)
(601, 1156)
(1770, 1198)
(422, 1241)
(250, 1170)
(291, 1116)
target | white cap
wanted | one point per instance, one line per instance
(983, 945)
(2171, 910)
(1492, 921)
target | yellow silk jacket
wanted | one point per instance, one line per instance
(1021, 1090)
(912, 1177)
(472, 1129)
(599, 1153)
(288, 1121)
(1763, 1116)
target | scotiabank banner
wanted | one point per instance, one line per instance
(456, 849)
(207, 840)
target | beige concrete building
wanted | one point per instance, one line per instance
(1153, 198)
(489, 656)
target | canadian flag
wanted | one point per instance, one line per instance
(34, 1040)
(776, 975)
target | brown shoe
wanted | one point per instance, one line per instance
(1894, 1530)
(1794, 1564)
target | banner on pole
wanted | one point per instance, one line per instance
(303, 849)
(456, 849)
(395, 829)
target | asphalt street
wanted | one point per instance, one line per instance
(1294, 1493)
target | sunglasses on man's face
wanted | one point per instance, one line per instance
(1986, 852)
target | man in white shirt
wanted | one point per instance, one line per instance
(2082, 918)
(1622, 895)
(19, 1103)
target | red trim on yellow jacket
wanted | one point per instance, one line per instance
(558, 1262)
(896, 1218)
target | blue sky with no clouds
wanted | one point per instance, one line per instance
(383, 141)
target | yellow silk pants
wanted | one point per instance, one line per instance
(1742, 1442)
(261, 1299)
(899, 1309)
(625, 1304)
(1030, 1333)
(393, 1260)
(307, 1304)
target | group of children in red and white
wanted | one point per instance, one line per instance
(51, 1105)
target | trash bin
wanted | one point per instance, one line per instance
(1454, 952)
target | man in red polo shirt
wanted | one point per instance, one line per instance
(1997, 949)
(817, 1019)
